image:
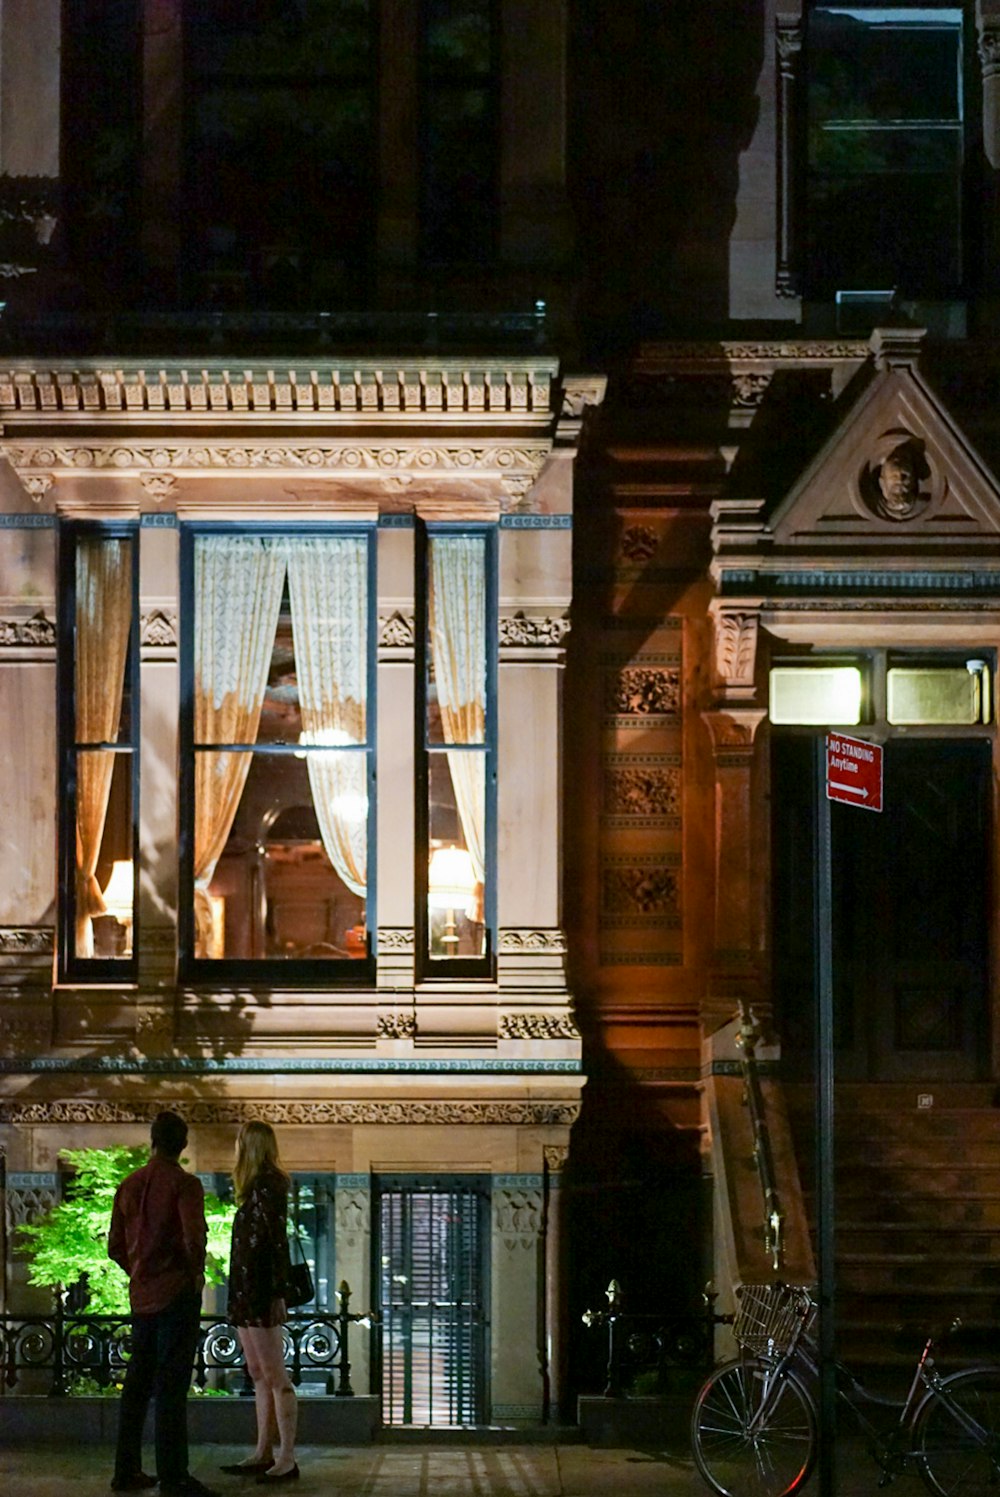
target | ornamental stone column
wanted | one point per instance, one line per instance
(555, 1163)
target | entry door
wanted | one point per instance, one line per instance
(910, 912)
(431, 1262)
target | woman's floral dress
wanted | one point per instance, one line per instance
(258, 1260)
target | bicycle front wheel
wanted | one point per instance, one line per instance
(956, 1435)
(753, 1432)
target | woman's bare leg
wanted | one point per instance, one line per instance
(264, 1403)
(268, 1352)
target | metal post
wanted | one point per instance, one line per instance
(613, 1387)
(825, 1206)
(58, 1389)
(344, 1389)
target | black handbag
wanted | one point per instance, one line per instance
(300, 1280)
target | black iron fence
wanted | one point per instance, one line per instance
(70, 1351)
(643, 1346)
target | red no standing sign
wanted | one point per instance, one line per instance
(854, 771)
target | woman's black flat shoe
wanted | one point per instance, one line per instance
(249, 1468)
(272, 1481)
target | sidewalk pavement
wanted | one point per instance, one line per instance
(435, 1469)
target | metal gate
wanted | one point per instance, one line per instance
(433, 1297)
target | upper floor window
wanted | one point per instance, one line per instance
(280, 156)
(277, 756)
(456, 893)
(884, 186)
(99, 764)
(460, 130)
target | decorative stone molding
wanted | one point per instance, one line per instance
(640, 890)
(350, 460)
(32, 940)
(158, 629)
(521, 1026)
(38, 485)
(736, 651)
(154, 1024)
(352, 1213)
(38, 630)
(641, 790)
(395, 940)
(638, 543)
(158, 486)
(733, 730)
(555, 1156)
(28, 1203)
(396, 631)
(408, 1113)
(581, 393)
(643, 691)
(517, 1217)
(520, 630)
(396, 1026)
(988, 47)
(519, 942)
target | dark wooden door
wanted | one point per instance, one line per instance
(910, 912)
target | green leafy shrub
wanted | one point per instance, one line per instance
(70, 1243)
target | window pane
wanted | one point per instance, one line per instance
(878, 68)
(282, 874)
(934, 696)
(104, 896)
(456, 869)
(456, 686)
(102, 678)
(815, 695)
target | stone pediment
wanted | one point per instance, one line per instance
(898, 474)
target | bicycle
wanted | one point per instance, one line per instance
(754, 1427)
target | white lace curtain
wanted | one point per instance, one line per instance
(238, 586)
(458, 642)
(103, 620)
(327, 588)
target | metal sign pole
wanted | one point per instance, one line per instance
(825, 1210)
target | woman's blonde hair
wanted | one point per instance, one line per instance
(256, 1148)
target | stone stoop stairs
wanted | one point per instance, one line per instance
(917, 1181)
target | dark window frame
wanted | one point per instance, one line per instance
(429, 968)
(71, 968)
(274, 972)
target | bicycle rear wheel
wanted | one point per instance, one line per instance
(754, 1434)
(956, 1435)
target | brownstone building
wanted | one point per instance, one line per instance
(458, 457)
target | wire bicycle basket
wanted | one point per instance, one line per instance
(769, 1316)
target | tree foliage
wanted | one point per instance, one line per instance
(70, 1243)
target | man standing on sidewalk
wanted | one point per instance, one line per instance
(158, 1237)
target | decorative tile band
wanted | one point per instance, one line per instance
(27, 522)
(396, 522)
(405, 1113)
(165, 521)
(185, 1065)
(352, 1182)
(517, 1182)
(816, 580)
(32, 1180)
(536, 522)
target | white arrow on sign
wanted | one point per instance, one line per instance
(849, 789)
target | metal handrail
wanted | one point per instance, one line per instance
(774, 1220)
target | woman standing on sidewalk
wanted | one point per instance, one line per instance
(258, 1277)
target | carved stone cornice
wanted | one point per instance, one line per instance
(33, 940)
(158, 629)
(38, 630)
(398, 940)
(289, 1113)
(519, 388)
(555, 1156)
(158, 486)
(396, 1026)
(37, 485)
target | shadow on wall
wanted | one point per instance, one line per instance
(654, 184)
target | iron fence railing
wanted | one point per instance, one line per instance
(648, 1342)
(774, 1217)
(68, 1347)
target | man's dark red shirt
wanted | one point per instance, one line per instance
(158, 1234)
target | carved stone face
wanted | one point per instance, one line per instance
(899, 485)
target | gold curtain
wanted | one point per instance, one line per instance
(103, 619)
(238, 585)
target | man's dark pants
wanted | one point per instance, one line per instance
(163, 1347)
